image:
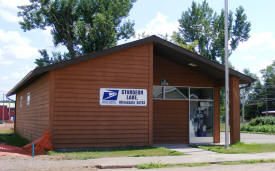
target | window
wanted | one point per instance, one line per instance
(170, 92)
(201, 117)
(28, 98)
(157, 92)
(201, 93)
(175, 93)
(21, 101)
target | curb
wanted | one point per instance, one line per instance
(115, 166)
(135, 166)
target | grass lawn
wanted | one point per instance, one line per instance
(162, 165)
(247, 162)
(13, 139)
(117, 152)
(242, 148)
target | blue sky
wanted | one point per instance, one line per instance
(19, 49)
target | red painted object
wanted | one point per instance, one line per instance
(41, 145)
(13, 149)
(6, 113)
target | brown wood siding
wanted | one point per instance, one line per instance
(170, 124)
(217, 115)
(32, 120)
(177, 75)
(79, 120)
(234, 112)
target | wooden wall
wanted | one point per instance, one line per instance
(234, 102)
(177, 75)
(170, 121)
(32, 120)
(79, 120)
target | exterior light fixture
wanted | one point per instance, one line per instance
(164, 82)
(192, 64)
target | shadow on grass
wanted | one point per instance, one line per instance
(13, 139)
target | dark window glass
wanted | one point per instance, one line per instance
(201, 117)
(201, 93)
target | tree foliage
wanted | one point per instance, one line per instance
(200, 23)
(191, 46)
(261, 95)
(82, 26)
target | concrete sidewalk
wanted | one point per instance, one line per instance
(194, 155)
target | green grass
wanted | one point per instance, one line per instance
(117, 152)
(161, 165)
(13, 139)
(247, 162)
(242, 148)
(153, 165)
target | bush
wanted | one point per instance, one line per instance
(264, 120)
(259, 128)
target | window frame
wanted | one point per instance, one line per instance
(28, 99)
(21, 101)
(189, 93)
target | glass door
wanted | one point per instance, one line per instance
(201, 115)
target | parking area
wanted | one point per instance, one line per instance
(253, 138)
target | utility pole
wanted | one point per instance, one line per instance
(226, 74)
(9, 109)
(3, 109)
(243, 100)
(266, 105)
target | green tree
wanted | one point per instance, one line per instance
(82, 26)
(200, 23)
(269, 86)
(261, 95)
(245, 92)
(172, 39)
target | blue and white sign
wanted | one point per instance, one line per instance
(123, 97)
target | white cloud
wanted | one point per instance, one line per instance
(12, 4)
(13, 45)
(259, 41)
(48, 36)
(9, 16)
(249, 57)
(159, 25)
(8, 9)
(6, 62)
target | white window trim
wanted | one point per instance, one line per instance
(20, 101)
(28, 99)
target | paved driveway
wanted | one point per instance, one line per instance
(253, 138)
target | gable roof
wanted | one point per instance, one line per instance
(161, 48)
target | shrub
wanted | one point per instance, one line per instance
(259, 128)
(264, 120)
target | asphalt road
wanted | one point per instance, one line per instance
(253, 138)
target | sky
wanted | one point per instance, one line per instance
(19, 49)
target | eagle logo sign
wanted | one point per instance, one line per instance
(110, 95)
